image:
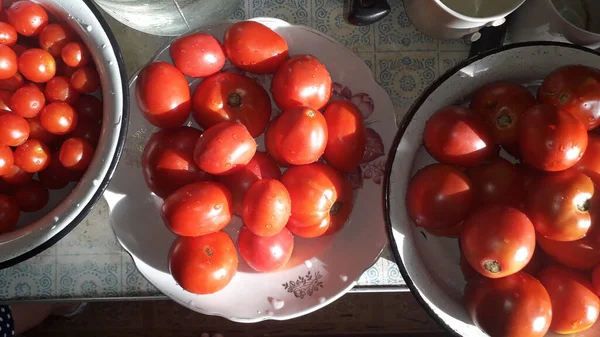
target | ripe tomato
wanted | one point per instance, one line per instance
(6, 159)
(254, 47)
(5, 98)
(266, 253)
(55, 176)
(551, 139)
(8, 34)
(259, 167)
(89, 107)
(496, 182)
(224, 148)
(163, 95)
(449, 232)
(27, 17)
(203, 264)
(8, 62)
(197, 55)
(37, 65)
(14, 129)
(28, 101)
(85, 80)
(54, 37)
(75, 55)
(32, 196)
(583, 254)
(59, 89)
(300, 135)
(575, 306)
(37, 131)
(589, 163)
(76, 154)
(301, 81)
(516, 305)
(168, 160)
(270, 144)
(492, 224)
(346, 136)
(9, 213)
(87, 130)
(576, 89)
(596, 279)
(32, 156)
(230, 97)
(199, 208)
(13, 83)
(466, 269)
(308, 231)
(266, 207)
(16, 176)
(439, 196)
(58, 118)
(501, 105)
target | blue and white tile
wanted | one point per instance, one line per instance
(32, 279)
(293, 11)
(391, 274)
(372, 277)
(239, 13)
(396, 33)
(454, 45)
(448, 60)
(134, 284)
(90, 276)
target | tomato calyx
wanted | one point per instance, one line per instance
(234, 100)
(583, 206)
(564, 98)
(492, 266)
(504, 120)
(335, 208)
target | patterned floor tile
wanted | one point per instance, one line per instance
(395, 33)
(454, 45)
(90, 276)
(134, 283)
(329, 19)
(369, 59)
(239, 13)
(33, 279)
(450, 59)
(293, 11)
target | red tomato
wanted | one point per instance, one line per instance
(196, 209)
(589, 163)
(88, 131)
(64, 70)
(308, 231)
(37, 131)
(89, 107)
(32, 196)
(204, 264)
(254, 47)
(13, 83)
(501, 106)
(32, 156)
(466, 269)
(37, 65)
(9, 213)
(492, 224)
(300, 135)
(58, 118)
(516, 305)
(5, 99)
(85, 80)
(270, 144)
(8, 34)
(18, 49)
(28, 101)
(76, 154)
(596, 279)
(496, 182)
(163, 95)
(8, 62)
(346, 136)
(450, 232)
(575, 306)
(576, 89)
(259, 167)
(266, 208)
(266, 253)
(14, 129)
(27, 17)
(197, 55)
(230, 97)
(583, 254)
(551, 139)
(16, 176)
(54, 38)
(301, 81)
(224, 148)
(75, 55)
(55, 176)
(168, 160)
(6, 159)
(439, 196)
(59, 89)
(456, 136)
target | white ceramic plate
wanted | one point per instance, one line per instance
(320, 270)
(430, 264)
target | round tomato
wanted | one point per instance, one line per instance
(88, 131)
(224, 148)
(14, 129)
(259, 167)
(5, 99)
(589, 163)
(301, 81)
(37, 131)
(168, 160)
(346, 136)
(6, 159)
(575, 306)
(254, 47)
(16, 176)
(27, 17)
(32, 156)
(8, 62)
(270, 144)
(37, 65)
(85, 80)
(32, 196)
(75, 55)
(203, 264)
(58, 118)
(266, 253)
(583, 254)
(163, 95)
(18, 49)
(28, 101)
(501, 106)
(308, 231)
(551, 139)
(449, 232)
(13, 83)
(8, 34)
(596, 279)
(266, 208)
(439, 196)
(9, 213)
(516, 305)
(230, 97)
(54, 38)
(496, 182)
(59, 89)
(197, 55)
(55, 176)
(300, 135)
(89, 107)
(199, 208)
(76, 154)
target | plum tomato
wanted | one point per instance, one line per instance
(224, 148)
(301, 81)
(270, 145)
(589, 164)
(9, 213)
(75, 55)
(203, 264)
(59, 89)
(576, 89)
(228, 97)
(32, 196)
(346, 136)
(501, 105)
(300, 135)
(266, 253)
(6, 159)
(54, 37)
(575, 306)
(76, 154)
(449, 232)
(58, 118)
(456, 136)
(32, 156)
(16, 176)
(266, 207)
(516, 305)
(583, 254)
(8, 62)
(28, 101)
(14, 129)
(89, 107)
(551, 139)
(163, 95)
(308, 231)
(497, 181)
(28, 17)
(198, 208)
(8, 34)
(37, 65)
(85, 80)
(197, 55)
(55, 176)
(439, 196)
(254, 47)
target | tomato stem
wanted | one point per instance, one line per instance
(492, 266)
(335, 208)
(584, 207)
(234, 100)
(504, 121)
(563, 98)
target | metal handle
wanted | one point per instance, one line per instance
(366, 12)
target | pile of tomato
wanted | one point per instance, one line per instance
(49, 120)
(206, 177)
(528, 227)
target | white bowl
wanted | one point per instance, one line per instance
(38, 231)
(430, 264)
